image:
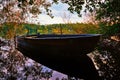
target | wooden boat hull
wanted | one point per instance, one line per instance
(63, 53)
(56, 45)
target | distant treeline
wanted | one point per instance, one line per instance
(9, 30)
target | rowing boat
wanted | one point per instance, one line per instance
(64, 53)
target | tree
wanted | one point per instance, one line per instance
(19, 10)
(106, 10)
(9, 12)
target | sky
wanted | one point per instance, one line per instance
(61, 15)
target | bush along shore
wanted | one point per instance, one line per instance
(15, 66)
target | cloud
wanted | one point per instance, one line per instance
(61, 15)
(45, 19)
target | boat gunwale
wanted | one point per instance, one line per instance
(58, 36)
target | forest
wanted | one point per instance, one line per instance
(8, 29)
